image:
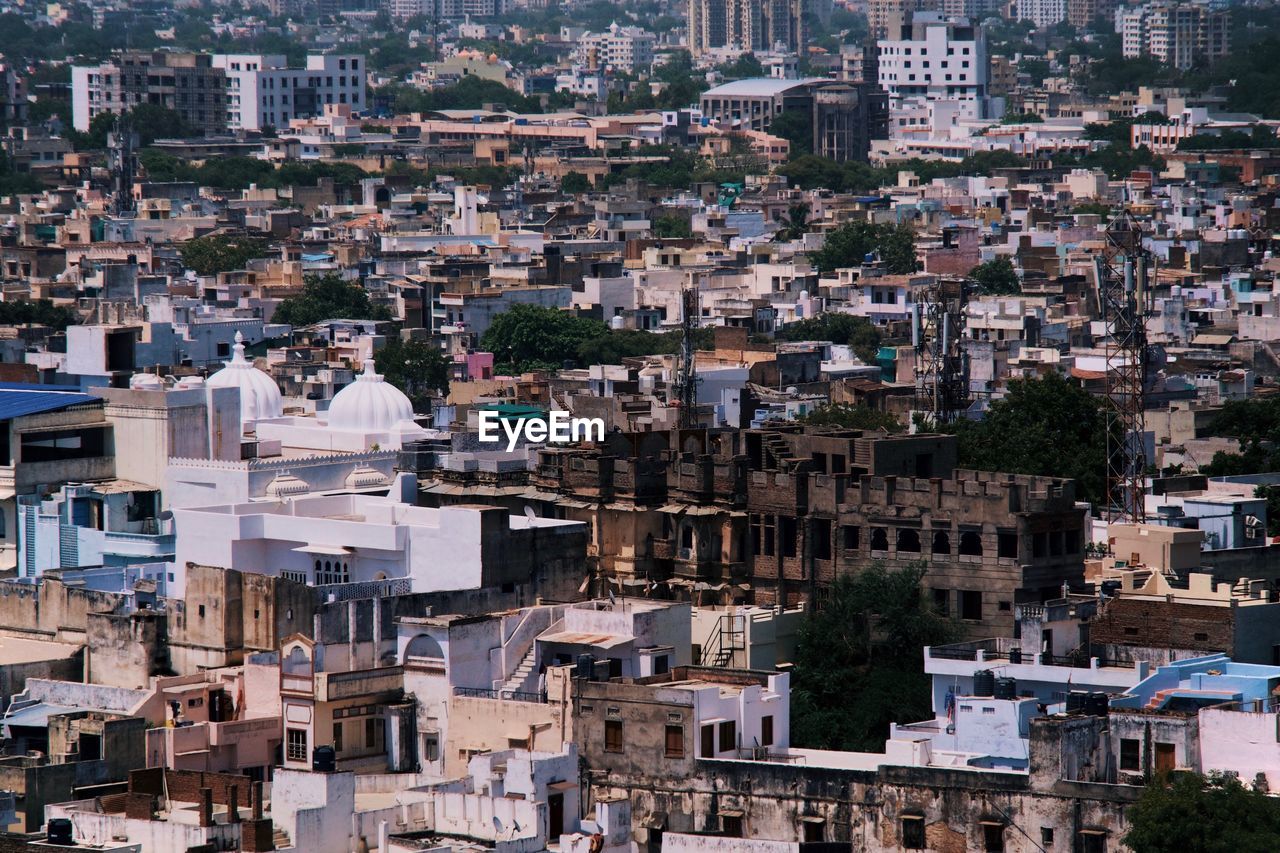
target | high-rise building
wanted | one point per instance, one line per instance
(1177, 34)
(935, 58)
(886, 16)
(263, 91)
(187, 83)
(1042, 13)
(1082, 13)
(975, 10)
(749, 25)
(625, 49)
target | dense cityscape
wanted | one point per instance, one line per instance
(780, 426)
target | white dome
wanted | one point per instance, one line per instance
(259, 394)
(370, 404)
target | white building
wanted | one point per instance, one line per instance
(263, 91)
(1177, 34)
(937, 59)
(1042, 13)
(621, 49)
(351, 538)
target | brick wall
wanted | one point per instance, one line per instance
(184, 786)
(1161, 623)
(256, 836)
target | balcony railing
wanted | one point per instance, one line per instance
(503, 695)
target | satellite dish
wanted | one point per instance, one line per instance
(612, 599)
(497, 824)
(586, 582)
(529, 513)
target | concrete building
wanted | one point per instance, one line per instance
(348, 538)
(626, 50)
(263, 91)
(749, 25)
(937, 59)
(1177, 34)
(190, 84)
(1043, 13)
(114, 523)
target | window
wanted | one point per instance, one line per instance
(1093, 841)
(1166, 760)
(913, 832)
(941, 542)
(675, 741)
(821, 545)
(1201, 637)
(731, 825)
(1046, 836)
(371, 732)
(337, 735)
(1130, 758)
(971, 544)
(787, 533)
(850, 535)
(200, 610)
(942, 601)
(431, 747)
(708, 746)
(1007, 545)
(613, 735)
(879, 539)
(971, 605)
(296, 744)
(728, 735)
(992, 836)
(766, 730)
(661, 665)
(908, 540)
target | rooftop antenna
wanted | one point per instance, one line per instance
(938, 321)
(686, 372)
(122, 145)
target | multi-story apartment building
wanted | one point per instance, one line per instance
(188, 83)
(263, 91)
(1177, 34)
(13, 96)
(1082, 13)
(1042, 13)
(886, 16)
(748, 24)
(936, 58)
(624, 49)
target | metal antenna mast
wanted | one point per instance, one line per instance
(1124, 294)
(687, 375)
(942, 365)
(122, 143)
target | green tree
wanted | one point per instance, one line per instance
(415, 367)
(858, 665)
(849, 245)
(617, 344)
(853, 417)
(672, 227)
(575, 182)
(39, 311)
(1212, 814)
(1271, 494)
(996, 277)
(531, 337)
(796, 222)
(221, 253)
(795, 126)
(1049, 427)
(838, 328)
(328, 297)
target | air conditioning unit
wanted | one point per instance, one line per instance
(1253, 528)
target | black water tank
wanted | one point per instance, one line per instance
(1096, 704)
(1015, 654)
(1076, 701)
(586, 667)
(60, 832)
(324, 759)
(1006, 688)
(984, 683)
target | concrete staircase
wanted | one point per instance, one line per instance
(520, 680)
(280, 839)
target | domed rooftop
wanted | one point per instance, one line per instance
(259, 395)
(370, 404)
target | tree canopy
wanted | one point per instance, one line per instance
(849, 245)
(858, 663)
(38, 311)
(1212, 814)
(531, 337)
(328, 297)
(415, 367)
(1047, 426)
(853, 416)
(996, 277)
(838, 328)
(221, 253)
(469, 93)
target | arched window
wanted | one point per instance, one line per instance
(317, 566)
(941, 542)
(879, 539)
(908, 540)
(970, 544)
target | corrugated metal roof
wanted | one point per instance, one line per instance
(17, 399)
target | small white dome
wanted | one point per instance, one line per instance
(259, 395)
(370, 404)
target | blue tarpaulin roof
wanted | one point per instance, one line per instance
(17, 399)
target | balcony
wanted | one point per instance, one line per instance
(333, 686)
